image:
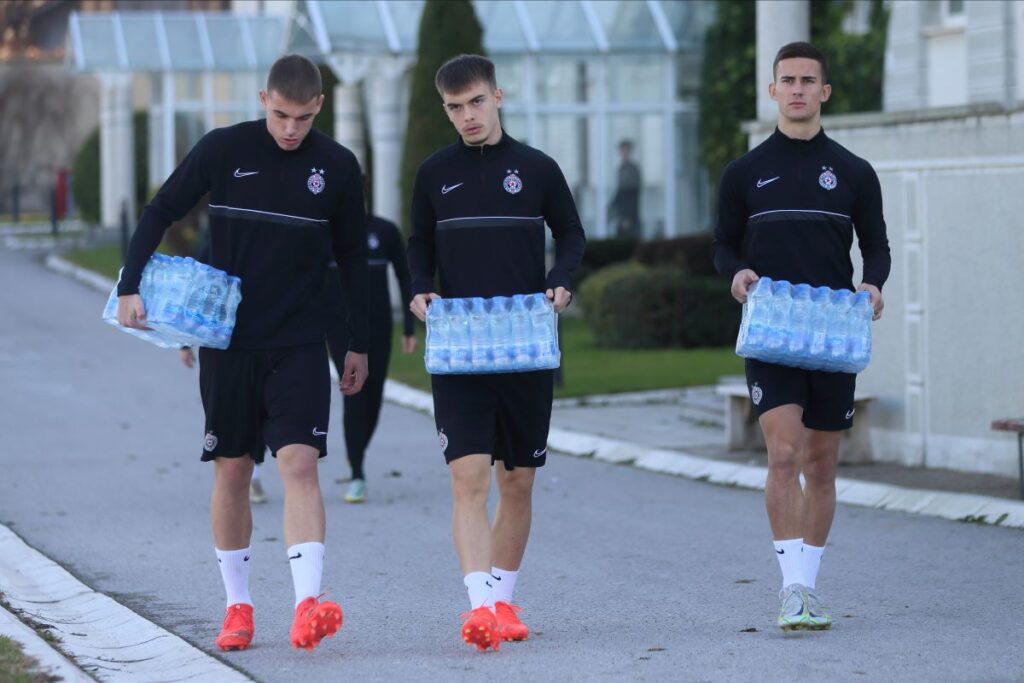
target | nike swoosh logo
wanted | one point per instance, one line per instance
(239, 173)
(849, 415)
(540, 454)
(296, 556)
(762, 183)
(496, 578)
(316, 433)
(445, 189)
(781, 552)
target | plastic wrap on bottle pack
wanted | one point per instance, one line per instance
(500, 334)
(814, 329)
(187, 303)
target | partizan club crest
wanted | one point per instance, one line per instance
(512, 183)
(316, 183)
(828, 179)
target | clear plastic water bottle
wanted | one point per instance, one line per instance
(480, 335)
(437, 354)
(838, 329)
(758, 304)
(778, 324)
(860, 330)
(501, 334)
(821, 299)
(458, 336)
(542, 324)
(519, 318)
(800, 322)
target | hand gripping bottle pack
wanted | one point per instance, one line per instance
(187, 303)
(500, 334)
(814, 329)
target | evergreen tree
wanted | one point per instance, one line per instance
(448, 28)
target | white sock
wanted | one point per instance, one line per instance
(812, 560)
(479, 586)
(791, 561)
(504, 584)
(234, 570)
(307, 563)
(256, 472)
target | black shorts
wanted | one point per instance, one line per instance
(505, 415)
(826, 397)
(275, 397)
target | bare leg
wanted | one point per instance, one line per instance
(784, 435)
(820, 461)
(230, 514)
(512, 519)
(471, 479)
(303, 505)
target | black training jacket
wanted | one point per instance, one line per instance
(277, 218)
(788, 209)
(478, 216)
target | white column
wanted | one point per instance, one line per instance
(348, 121)
(778, 22)
(991, 51)
(904, 84)
(383, 99)
(117, 147)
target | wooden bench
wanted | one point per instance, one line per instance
(1018, 427)
(743, 433)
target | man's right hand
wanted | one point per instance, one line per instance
(741, 283)
(420, 303)
(131, 312)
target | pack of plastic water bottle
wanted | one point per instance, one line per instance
(187, 303)
(500, 334)
(811, 328)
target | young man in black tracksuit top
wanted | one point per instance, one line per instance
(478, 212)
(284, 199)
(789, 209)
(361, 411)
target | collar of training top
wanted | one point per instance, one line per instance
(484, 150)
(819, 139)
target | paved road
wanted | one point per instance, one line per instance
(630, 575)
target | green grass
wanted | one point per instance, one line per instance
(16, 667)
(591, 370)
(103, 260)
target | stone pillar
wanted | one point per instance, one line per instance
(991, 73)
(778, 22)
(384, 103)
(117, 148)
(904, 84)
(348, 121)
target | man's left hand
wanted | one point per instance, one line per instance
(355, 373)
(877, 303)
(561, 298)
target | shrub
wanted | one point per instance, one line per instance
(632, 306)
(604, 252)
(692, 254)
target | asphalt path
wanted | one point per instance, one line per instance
(630, 575)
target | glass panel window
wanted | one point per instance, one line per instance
(353, 25)
(566, 139)
(183, 41)
(187, 88)
(560, 26)
(502, 30)
(266, 39)
(515, 125)
(406, 15)
(561, 79)
(98, 45)
(628, 25)
(636, 78)
(509, 74)
(229, 51)
(690, 183)
(141, 42)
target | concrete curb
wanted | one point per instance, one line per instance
(51, 662)
(955, 506)
(83, 275)
(103, 637)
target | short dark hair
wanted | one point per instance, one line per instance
(460, 73)
(295, 78)
(801, 49)
(626, 142)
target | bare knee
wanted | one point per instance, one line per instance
(784, 460)
(470, 484)
(298, 465)
(820, 467)
(516, 486)
(233, 474)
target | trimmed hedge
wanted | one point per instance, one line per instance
(604, 252)
(692, 254)
(632, 306)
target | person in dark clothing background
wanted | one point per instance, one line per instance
(361, 411)
(625, 205)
